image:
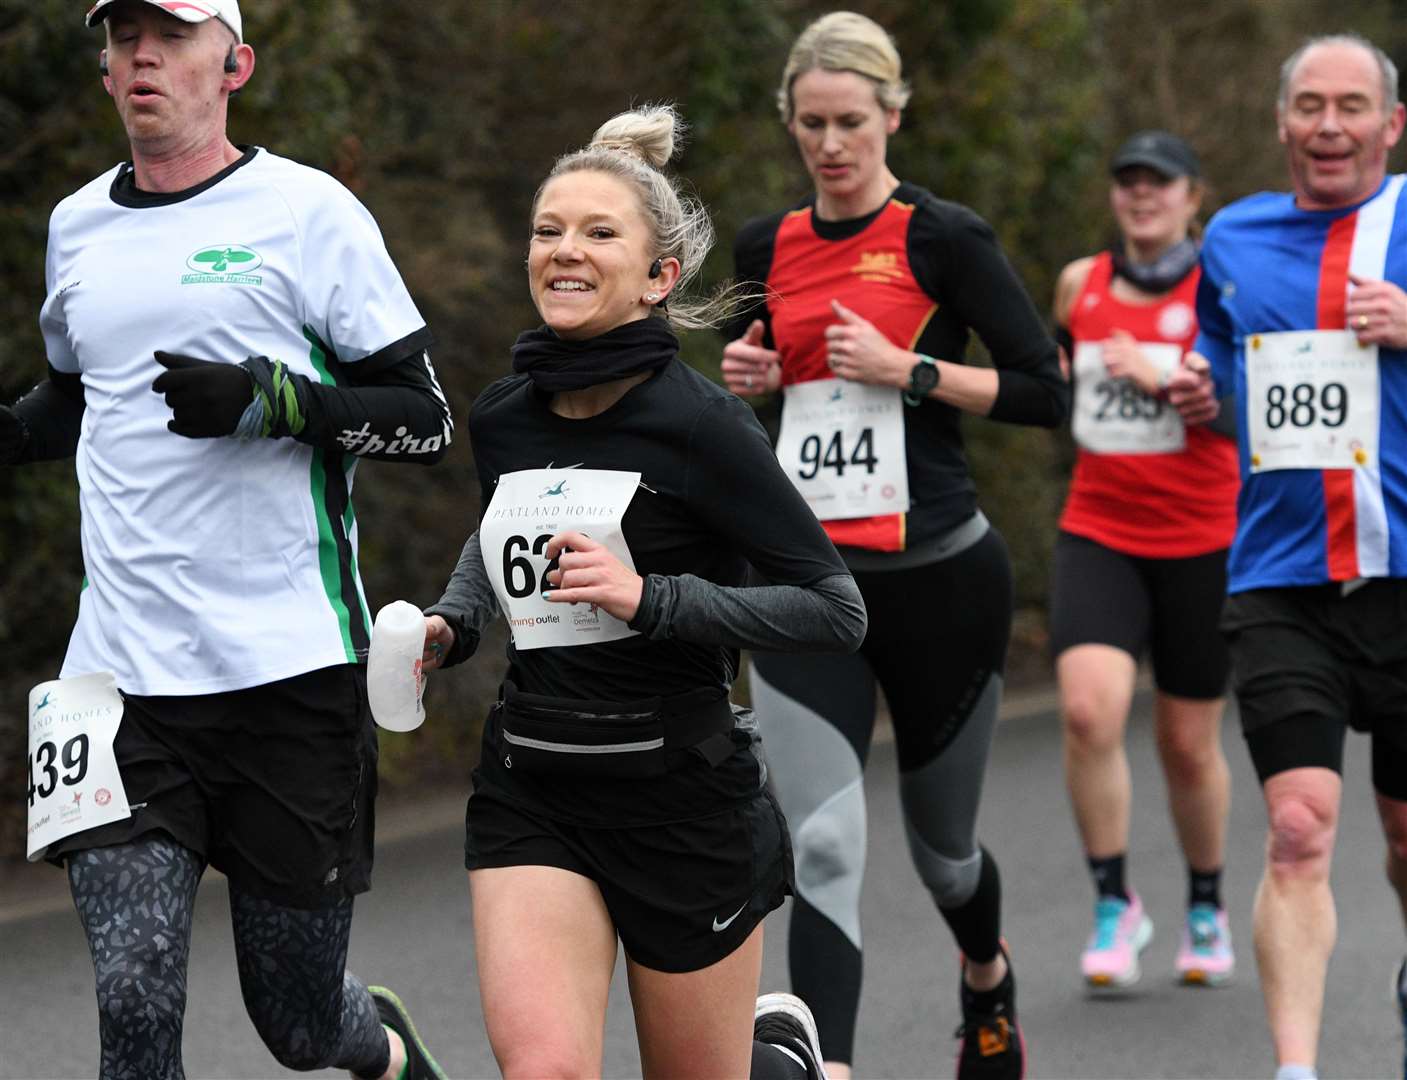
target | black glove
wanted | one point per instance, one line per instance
(13, 436)
(206, 398)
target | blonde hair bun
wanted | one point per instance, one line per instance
(650, 132)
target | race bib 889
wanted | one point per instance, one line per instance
(1312, 400)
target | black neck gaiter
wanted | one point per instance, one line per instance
(556, 364)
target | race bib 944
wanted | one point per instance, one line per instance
(842, 445)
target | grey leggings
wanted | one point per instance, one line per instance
(135, 901)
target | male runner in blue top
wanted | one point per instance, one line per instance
(1303, 314)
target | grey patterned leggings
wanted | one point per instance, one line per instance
(135, 902)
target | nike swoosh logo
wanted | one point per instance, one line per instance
(720, 926)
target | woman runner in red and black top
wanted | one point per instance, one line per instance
(1140, 562)
(871, 289)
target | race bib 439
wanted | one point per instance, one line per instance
(73, 779)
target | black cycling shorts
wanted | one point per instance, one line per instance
(682, 895)
(272, 785)
(1309, 663)
(1168, 607)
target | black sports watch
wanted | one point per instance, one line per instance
(922, 379)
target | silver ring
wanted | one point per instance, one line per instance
(747, 381)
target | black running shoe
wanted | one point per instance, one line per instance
(394, 1016)
(992, 1045)
(784, 1021)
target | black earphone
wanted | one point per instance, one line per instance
(655, 268)
(231, 66)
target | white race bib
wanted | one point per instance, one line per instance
(1113, 416)
(73, 779)
(528, 508)
(842, 444)
(1313, 400)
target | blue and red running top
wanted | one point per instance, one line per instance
(1268, 266)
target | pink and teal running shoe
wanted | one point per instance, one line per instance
(1122, 930)
(1204, 957)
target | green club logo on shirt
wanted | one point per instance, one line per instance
(223, 264)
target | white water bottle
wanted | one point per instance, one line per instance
(394, 680)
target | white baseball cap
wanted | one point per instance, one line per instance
(192, 11)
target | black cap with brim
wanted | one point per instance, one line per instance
(1161, 151)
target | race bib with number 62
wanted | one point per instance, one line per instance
(528, 508)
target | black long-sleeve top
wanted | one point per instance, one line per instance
(712, 501)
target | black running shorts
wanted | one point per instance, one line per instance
(682, 895)
(1309, 663)
(1168, 607)
(272, 785)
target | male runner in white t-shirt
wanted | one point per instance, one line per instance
(226, 336)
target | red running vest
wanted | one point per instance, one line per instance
(1156, 506)
(869, 273)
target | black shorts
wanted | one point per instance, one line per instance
(682, 895)
(1170, 607)
(1309, 663)
(272, 785)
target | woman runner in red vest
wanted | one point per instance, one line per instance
(1140, 561)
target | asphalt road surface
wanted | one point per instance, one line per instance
(412, 932)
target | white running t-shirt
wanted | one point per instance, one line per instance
(216, 564)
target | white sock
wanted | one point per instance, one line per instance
(1296, 1072)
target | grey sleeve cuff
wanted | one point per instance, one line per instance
(468, 604)
(826, 616)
